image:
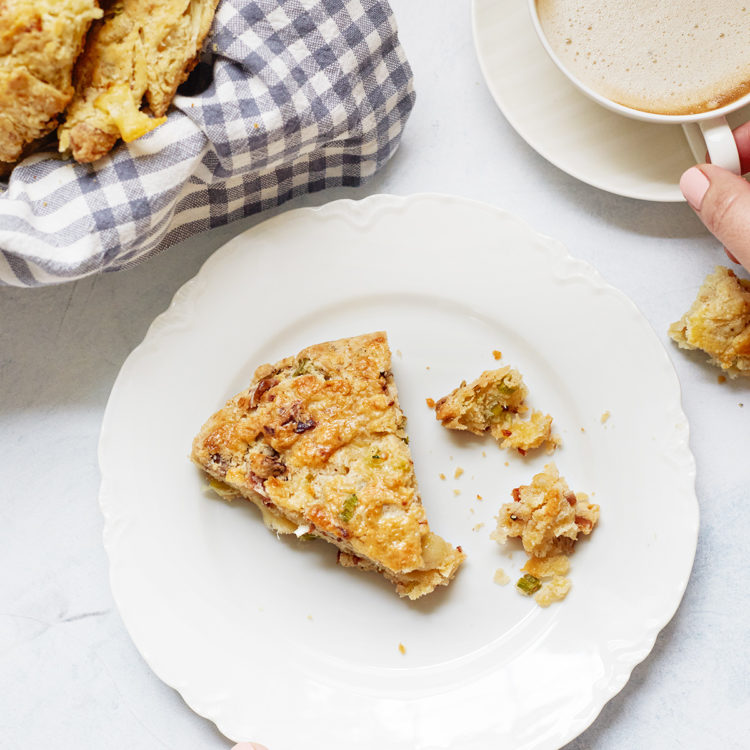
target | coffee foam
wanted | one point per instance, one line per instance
(672, 57)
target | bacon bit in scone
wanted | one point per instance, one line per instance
(264, 385)
(304, 426)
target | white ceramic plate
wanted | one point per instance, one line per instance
(268, 637)
(611, 152)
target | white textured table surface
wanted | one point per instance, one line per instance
(69, 673)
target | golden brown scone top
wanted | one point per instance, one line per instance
(321, 437)
(39, 43)
(136, 56)
(718, 322)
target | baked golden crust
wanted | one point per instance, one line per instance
(39, 43)
(718, 322)
(138, 54)
(317, 441)
(496, 403)
(546, 515)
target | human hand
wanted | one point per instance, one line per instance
(722, 200)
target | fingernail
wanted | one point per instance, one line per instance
(694, 185)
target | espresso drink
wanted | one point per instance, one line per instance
(673, 57)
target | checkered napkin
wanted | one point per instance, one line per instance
(305, 94)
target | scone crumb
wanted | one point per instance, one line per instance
(497, 354)
(553, 591)
(547, 516)
(402, 648)
(495, 404)
(477, 527)
(430, 402)
(442, 476)
(456, 492)
(309, 617)
(507, 463)
(721, 379)
(479, 497)
(547, 567)
(398, 353)
(605, 416)
(501, 577)
(457, 473)
(484, 454)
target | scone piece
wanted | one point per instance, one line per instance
(718, 322)
(546, 515)
(136, 56)
(39, 43)
(317, 442)
(496, 403)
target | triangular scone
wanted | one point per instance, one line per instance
(317, 442)
(496, 403)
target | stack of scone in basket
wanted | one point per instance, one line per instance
(93, 72)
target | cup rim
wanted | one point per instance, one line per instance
(637, 114)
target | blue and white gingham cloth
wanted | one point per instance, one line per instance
(306, 94)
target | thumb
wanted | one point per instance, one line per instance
(722, 201)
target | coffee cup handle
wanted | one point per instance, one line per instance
(714, 136)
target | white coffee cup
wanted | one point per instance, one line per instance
(705, 131)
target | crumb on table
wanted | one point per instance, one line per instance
(457, 473)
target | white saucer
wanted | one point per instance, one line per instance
(611, 152)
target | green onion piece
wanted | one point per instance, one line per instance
(347, 511)
(528, 584)
(496, 410)
(301, 367)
